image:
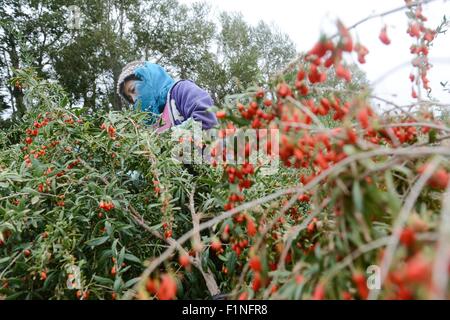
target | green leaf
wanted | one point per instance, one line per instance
(109, 229)
(223, 258)
(117, 284)
(432, 136)
(105, 281)
(132, 282)
(231, 263)
(393, 196)
(357, 196)
(35, 200)
(349, 149)
(121, 256)
(298, 292)
(114, 246)
(3, 260)
(156, 226)
(29, 190)
(132, 258)
(97, 241)
(15, 296)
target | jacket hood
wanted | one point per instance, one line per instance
(152, 86)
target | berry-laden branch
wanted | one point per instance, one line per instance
(442, 261)
(400, 221)
(354, 188)
(406, 152)
(210, 280)
(195, 261)
(409, 4)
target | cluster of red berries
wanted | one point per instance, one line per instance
(241, 176)
(216, 245)
(239, 245)
(110, 130)
(37, 125)
(256, 266)
(233, 199)
(304, 151)
(361, 285)
(326, 54)
(167, 231)
(405, 134)
(256, 111)
(420, 49)
(69, 120)
(156, 187)
(106, 205)
(164, 288)
(33, 132)
(403, 280)
(439, 179)
(82, 295)
(73, 164)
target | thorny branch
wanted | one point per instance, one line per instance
(440, 273)
(296, 60)
(388, 256)
(195, 261)
(406, 152)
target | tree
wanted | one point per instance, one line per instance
(274, 48)
(90, 64)
(174, 35)
(29, 31)
(88, 61)
(246, 55)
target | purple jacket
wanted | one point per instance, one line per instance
(193, 102)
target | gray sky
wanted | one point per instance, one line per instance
(304, 20)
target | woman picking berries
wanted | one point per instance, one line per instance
(169, 103)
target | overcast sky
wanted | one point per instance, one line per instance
(304, 20)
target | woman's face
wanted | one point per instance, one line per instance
(129, 89)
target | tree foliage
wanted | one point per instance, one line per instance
(87, 61)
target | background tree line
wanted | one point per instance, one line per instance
(224, 55)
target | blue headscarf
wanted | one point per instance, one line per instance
(152, 87)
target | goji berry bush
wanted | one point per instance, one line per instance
(97, 207)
